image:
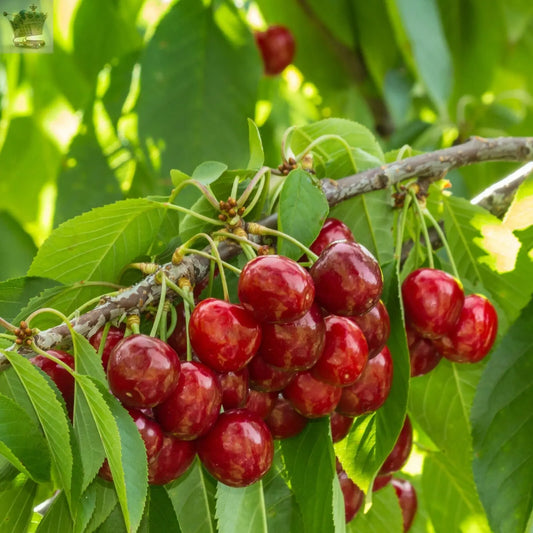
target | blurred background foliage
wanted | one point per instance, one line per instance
(135, 88)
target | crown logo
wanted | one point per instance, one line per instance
(27, 27)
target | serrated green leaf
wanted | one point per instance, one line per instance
(57, 517)
(257, 154)
(501, 429)
(241, 509)
(22, 442)
(16, 507)
(105, 502)
(11, 386)
(7, 473)
(162, 516)
(193, 498)
(209, 171)
(114, 523)
(301, 213)
(52, 417)
(310, 465)
(85, 508)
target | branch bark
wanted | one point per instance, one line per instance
(427, 166)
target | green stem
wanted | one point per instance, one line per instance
(187, 312)
(163, 322)
(173, 320)
(328, 137)
(161, 305)
(181, 209)
(235, 187)
(7, 325)
(101, 347)
(246, 193)
(262, 184)
(212, 258)
(8, 337)
(203, 189)
(243, 241)
(400, 231)
(284, 142)
(424, 228)
(185, 294)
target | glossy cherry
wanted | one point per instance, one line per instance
(474, 333)
(400, 453)
(223, 335)
(310, 397)
(194, 405)
(268, 378)
(142, 371)
(375, 325)
(114, 335)
(234, 386)
(371, 389)
(150, 431)
(275, 289)
(348, 279)
(294, 345)
(340, 426)
(276, 46)
(260, 403)
(332, 230)
(408, 501)
(381, 481)
(432, 300)
(353, 496)
(283, 421)
(173, 460)
(238, 450)
(345, 353)
(423, 353)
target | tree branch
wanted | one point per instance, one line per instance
(427, 166)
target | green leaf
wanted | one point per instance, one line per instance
(310, 465)
(57, 518)
(52, 417)
(16, 506)
(85, 508)
(16, 247)
(105, 502)
(241, 509)
(209, 171)
(257, 154)
(114, 523)
(302, 211)
(501, 429)
(162, 516)
(178, 177)
(204, 56)
(193, 498)
(22, 442)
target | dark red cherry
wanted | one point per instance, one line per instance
(260, 403)
(375, 325)
(432, 301)
(267, 378)
(474, 334)
(345, 353)
(408, 502)
(310, 397)
(340, 426)
(194, 405)
(276, 46)
(371, 389)
(400, 453)
(381, 481)
(283, 421)
(178, 338)
(114, 335)
(275, 289)
(142, 371)
(223, 335)
(234, 386)
(238, 450)
(423, 353)
(332, 230)
(150, 431)
(348, 279)
(173, 460)
(294, 345)
(353, 496)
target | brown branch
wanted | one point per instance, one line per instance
(426, 166)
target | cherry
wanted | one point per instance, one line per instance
(223, 335)
(276, 46)
(408, 502)
(142, 371)
(399, 454)
(275, 289)
(260, 403)
(283, 421)
(238, 450)
(340, 426)
(381, 481)
(423, 353)
(234, 386)
(371, 389)
(348, 279)
(178, 338)
(474, 333)
(310, 397)
(114, 335)
(294, 345)
(353, 496)
(194, 405)
(375, 325)
(432, 300)
(268, 378)
(173, 460)
(345, 353)
(150, 431)
(332, 230)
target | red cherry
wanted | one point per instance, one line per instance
(399, 454)
(371, 389)
(268, 378)
(340, 426)
(114, 335)
(173, 460)
(194, 405)
(423, 353)
(474, 333)
(283, 421)
(408, 502)
(150, 431)
(260, 403)
(348, 279)
(276, 46)
(234, 386)
(345, 353)
(275, 289)
(142, 371)
(238, 450)
(223, 335)
(381, 481)
(294, 345)
(432, 301)
(353, 496)
(310, 397)
(375, 325)
(178, 338)
(332, 230)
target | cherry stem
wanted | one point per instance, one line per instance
(7, 325)
(187, 313)
(241, 240)
(328, 137)
(89, 303)
(402, 219)
(234, 188)
(173, 320)
(284, 141)
(246, 193)
(424, 228)
(203, 189)
(181, 209)
(8, 337)
(262, 183)
(200, 253)
(53, 358)
(161, 278)
(184, 293)
(163, 322)
(442, 237)
(105, 331)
